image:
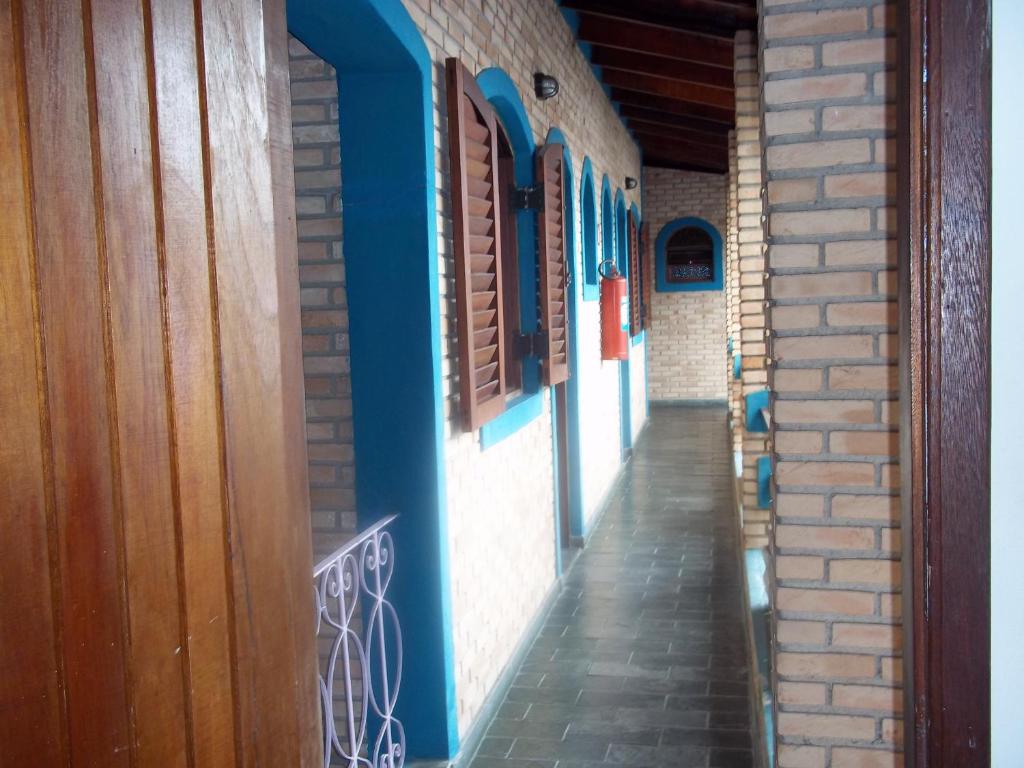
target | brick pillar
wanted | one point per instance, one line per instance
(751, 269)
(828, 127)
(314, 91)
(732, 294)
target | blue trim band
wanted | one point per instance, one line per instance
(389, 202)
(517, 415)
(662, 285)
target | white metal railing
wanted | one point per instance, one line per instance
(362, 651)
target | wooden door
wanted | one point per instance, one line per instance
(155, 565)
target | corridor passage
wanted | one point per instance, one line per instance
(642, 661)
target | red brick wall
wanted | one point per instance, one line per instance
(324, 311)
(830, 149)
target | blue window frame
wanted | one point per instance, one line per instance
(686, 249)
(523, 408)
(607, 222)
(588, 222)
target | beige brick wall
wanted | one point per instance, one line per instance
(750, 272)
(732, 299)
(830, 150)
(500, 500)
(314, 90)
(686, 342)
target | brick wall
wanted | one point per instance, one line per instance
(750, 271)
(314, 91)
(828, 128)
(732, 299)
(500, 500)
(686, 343)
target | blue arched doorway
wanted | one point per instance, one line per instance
(387, 144)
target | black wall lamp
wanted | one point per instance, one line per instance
(545, 86)
(630, 182)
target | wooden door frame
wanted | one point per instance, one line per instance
(945, 133)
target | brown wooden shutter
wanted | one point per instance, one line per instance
(472, 141)
(647, 259)
(635, 314)
(553, 307)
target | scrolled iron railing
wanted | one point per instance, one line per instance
(362, 650)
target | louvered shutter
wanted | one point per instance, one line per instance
(553, 307)
(635, 314)
(472, 140)
(647, 260)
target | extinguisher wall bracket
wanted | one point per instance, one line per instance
(608, 274)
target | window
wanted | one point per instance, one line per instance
(553, 288)
(588, 212)
(476, 204)
(607, 224)
(636, 317)
(499, 325)
(509, 254)
(688, 256)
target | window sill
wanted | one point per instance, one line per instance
(519, 412)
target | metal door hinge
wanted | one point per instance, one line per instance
(533, 344)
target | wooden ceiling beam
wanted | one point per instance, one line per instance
(661, 66)
(630, 96)
(682, 164)
(709, 17)
(645, 38)
(662, 145)
(719, 98)
(653, 117)
(642, 128)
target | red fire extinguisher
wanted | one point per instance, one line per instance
(614, 313)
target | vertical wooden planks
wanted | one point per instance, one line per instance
(32, 728)
(117, 38)
(72, 311)
(193, 339)
(298, 528)
(151, 385)
(263, 504)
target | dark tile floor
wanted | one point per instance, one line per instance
(642, 661)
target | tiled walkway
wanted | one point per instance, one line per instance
(643, 659)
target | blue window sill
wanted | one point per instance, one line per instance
(590, 292)
(638, 339)
(666, 287)
(517, 415)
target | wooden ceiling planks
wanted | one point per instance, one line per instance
(668, 66)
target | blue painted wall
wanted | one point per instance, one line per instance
(388, 197)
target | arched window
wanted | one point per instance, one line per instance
(621, 235)
(689, 256)
(607, 223)
(588, 211)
